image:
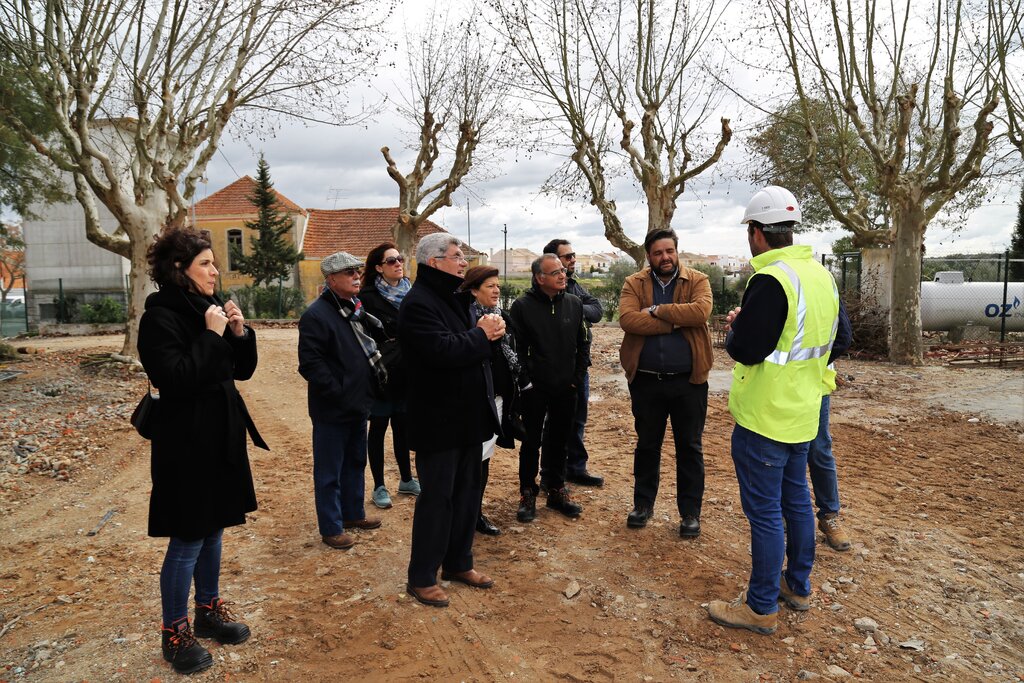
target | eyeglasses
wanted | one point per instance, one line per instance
(556, 272)
(454, 257)
(392, 260)
(568, 257)
(350, 272)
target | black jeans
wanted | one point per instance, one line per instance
(655, 401)
(446, 512)
(375, 446)
(554, 434)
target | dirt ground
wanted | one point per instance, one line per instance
(932, 498)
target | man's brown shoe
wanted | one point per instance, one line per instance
(835, 535)
(471, 578)
(434, 596)
(800, 603)
(364, 523)
(737, 614)
(339, 542)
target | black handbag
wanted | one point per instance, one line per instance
(145, 415)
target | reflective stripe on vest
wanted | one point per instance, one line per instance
(797, 351)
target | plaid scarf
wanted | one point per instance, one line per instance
(361, 321)
(506, 340)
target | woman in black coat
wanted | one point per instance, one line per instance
(509, 375)
(386, 286)
(193, 348)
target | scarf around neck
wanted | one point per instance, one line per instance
(361, 321)
(393, 294)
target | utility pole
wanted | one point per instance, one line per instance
(504, 270)
(469, 231)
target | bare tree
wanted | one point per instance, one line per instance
(1006, 24)
(456, 96)
(598, 69)
(142, 91)
(904, 82)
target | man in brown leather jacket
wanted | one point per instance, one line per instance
(666, 354)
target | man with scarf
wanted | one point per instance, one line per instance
(338, 357)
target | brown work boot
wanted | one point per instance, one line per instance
(339, 541)
(835, 535)
(800, 603)
(737, 614)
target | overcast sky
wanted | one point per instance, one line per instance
(330, 167)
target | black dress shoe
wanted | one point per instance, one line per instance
(585, 478)
(689, 527)
(485, 527)
(638, 517)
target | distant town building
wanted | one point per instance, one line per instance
(517, 261)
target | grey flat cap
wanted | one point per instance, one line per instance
(339, 261)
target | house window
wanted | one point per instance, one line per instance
(234, 248)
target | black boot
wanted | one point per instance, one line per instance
(181, 649)
(559, 500)
(215, 621)
(527, 511)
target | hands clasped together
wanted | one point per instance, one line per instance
(230, 315)
(493, 326)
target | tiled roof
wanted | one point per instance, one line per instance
(356, 231)
(233, 200)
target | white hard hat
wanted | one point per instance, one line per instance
(772, 205)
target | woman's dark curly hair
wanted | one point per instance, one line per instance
(376, 258)
(172, 252)
(477, 276)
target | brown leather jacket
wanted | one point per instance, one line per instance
(688, 313)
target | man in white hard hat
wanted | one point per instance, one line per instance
(781, 339)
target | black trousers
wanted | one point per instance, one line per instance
(547, 440)
(655, 401)
(446, 511)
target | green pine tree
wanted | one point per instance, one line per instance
(273, 255)
(1017, 243)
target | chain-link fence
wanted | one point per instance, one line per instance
(13, 317)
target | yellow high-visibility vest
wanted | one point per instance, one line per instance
(780, 398)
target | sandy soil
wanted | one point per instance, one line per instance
(932, 498)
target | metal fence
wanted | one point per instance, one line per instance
(13, 318)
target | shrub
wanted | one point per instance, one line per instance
(269, 302)
(106, 310)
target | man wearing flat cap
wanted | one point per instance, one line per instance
(338, 357)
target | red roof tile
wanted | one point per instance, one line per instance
(356, 231)
(233, 200)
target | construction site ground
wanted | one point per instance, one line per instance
(931, 478)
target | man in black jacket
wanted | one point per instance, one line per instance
(338, 357)
(551, 337)
(576, 460)
(451, 413)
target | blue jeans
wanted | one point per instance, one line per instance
(185, 561)
(773, 486)
(339, 459)
(822, 465)
(577, 456)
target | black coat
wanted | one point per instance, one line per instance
(390, 350)
(200, 467)
(552, 339)
(451, 396)
(333, 363)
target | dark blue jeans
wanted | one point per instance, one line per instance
(773, 486)
(577, 456)
(185, 561)
(822, 465)
(339, 460)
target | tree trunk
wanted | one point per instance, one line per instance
(404, 235)
(139, 283)
(905, 345)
